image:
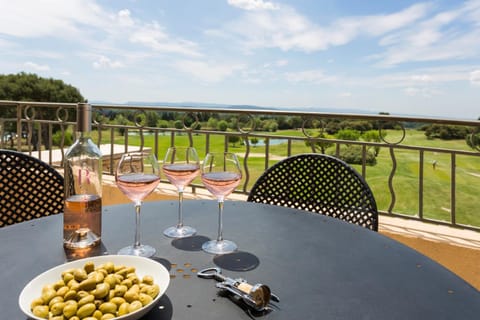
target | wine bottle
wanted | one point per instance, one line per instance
(82, 218)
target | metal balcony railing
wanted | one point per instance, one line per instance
(411, 177)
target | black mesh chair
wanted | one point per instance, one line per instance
(321, 184)
(29, 188)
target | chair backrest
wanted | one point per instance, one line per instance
(318, 183)
(29, 188)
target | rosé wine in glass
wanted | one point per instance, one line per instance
(180, 166)
(221, 174)
(181, 175)
(221, 184)
(137, 175)
(137, 186)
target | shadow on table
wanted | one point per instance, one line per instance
(193, 243)
(237, 261)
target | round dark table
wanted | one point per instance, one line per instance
(320, 267)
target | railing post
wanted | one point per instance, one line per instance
(19, 127)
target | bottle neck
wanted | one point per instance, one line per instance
(83, 135)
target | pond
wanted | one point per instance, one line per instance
(272, 142)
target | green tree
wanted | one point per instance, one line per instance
(222, 125)
(373, 136)
(233, 140)
(322, 144)
(254, 141)
(30, 87)
(348, 134)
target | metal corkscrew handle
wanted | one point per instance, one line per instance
(256, 296)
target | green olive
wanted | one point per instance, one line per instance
(59, 284)
(36, 302)
(111, 280)
(97, 314)
(48, 295)
(107, 316)
(101, 290)
(127, 282)
(73, 284)
(86, 300)
(147, 280)
(120, 290)
(86, 310)
(123, 309)
(134, 306)
(118, 300)
(152, 290)
(131, 296)
(108, 307)
(57, 308)
(55, 299)
(70, 310)
(79, 275)
(67, 276)
(89, 267)
(88, 284)
(145, 298)
(62, 291)
(41, 311)
(70, 295)
(109, 266)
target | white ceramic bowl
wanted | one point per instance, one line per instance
(143, 266)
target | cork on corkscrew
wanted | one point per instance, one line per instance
(257, 296)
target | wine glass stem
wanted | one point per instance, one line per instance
(180, 208)
(138, 205)
(220, 219)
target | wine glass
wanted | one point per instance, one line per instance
(180, 166)
(137, 175)
(221, 174)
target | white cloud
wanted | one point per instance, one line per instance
(312, 76)
(55, 18)
(475, 77)
(154, 37)
(124, 18)
(106, 63)
(208, 72)
(253, 4)
(436, 38)
(346, 94)
(36, 67)
(286, 29)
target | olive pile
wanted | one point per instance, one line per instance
(95, 293)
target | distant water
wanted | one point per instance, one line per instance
(272, 142)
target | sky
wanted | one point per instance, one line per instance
(401, 57)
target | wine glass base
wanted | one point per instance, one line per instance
(219, 247)
(142, 250)
(179, 232)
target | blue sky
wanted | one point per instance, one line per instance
(402, 57)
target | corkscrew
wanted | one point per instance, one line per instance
(256, 296)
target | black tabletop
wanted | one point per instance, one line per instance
(320, 267)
